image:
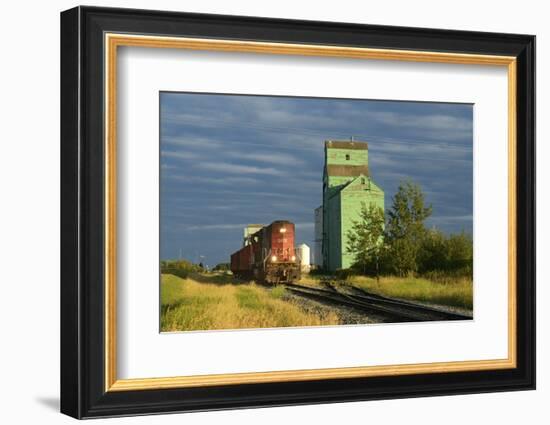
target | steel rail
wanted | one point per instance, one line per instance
(400, 311)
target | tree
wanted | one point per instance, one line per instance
(366, 238)
(450, 255)
(405, 230)
(434, 253)
(460, 252)
(222, 267)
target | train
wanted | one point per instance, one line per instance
(268, 255)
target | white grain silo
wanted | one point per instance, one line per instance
(304, 256)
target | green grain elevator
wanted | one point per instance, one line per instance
(347, 184)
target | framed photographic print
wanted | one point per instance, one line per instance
(261, 212)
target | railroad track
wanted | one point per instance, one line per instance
(392, 309)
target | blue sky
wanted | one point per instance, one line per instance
(229, 160)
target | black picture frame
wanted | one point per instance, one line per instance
(83, 392)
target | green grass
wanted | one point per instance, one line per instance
(249, 298)
(457, 293)
(278, 292)
(208, 301)
(451, 291)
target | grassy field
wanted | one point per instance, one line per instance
(456, 293)
(206, 302)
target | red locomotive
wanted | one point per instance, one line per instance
(269, 255)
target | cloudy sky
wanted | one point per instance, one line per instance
(229, 160)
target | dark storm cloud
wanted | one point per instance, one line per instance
(228, 160)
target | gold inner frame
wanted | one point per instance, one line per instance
(113, 41)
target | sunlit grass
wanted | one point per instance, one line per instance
(313, 280)
(195, 304)
(451, 291)
(457, 293)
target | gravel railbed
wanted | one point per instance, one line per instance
(347, 315)
(442, 307)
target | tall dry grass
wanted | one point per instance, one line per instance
(206, 302)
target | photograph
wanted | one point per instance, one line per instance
(280, 211)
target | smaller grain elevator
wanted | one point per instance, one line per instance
(318, 241)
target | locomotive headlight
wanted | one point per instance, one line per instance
(282, 230)
(274, 258)
(293, 258)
